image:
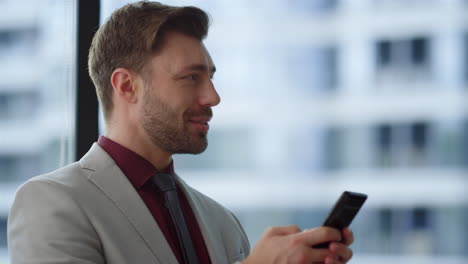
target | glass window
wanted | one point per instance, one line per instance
(403, 60)
(465, 45)
(37, 58)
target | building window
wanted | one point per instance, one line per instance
(420, 218)
(19, 104)
(334, 148)
(18, 168)
(403, 144)
(19, 41)
(403, 60)
(384, 144)
(419, 51)
(464, 154)
(465, 54)
(3, 232)
(314, 69)
(419, 142)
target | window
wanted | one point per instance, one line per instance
(18, 40)
(465, 53)
(420, 151)
(18, 105)
(37, 58)
(403, 144)
(313, 69)
(464, 144)
(18, 167)
(334, 148)
(403, 60)
(3, 233)
(384, 145)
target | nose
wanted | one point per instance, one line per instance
(209, 96)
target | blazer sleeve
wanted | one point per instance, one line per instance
(46, 225)
(245, 244)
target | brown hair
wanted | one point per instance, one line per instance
(132, 35)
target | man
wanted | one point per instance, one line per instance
(153, 78)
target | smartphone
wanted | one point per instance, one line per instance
(343, 212)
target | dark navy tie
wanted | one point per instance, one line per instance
(166, 184)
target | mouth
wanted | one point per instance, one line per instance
(200, 123)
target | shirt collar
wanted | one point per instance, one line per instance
(137, 169)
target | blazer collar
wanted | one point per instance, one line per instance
(114, 184)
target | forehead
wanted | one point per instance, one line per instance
(180, 51)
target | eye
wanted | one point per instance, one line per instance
(192, 77)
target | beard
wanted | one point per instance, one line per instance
(161, 124)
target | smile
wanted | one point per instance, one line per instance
(200, 123)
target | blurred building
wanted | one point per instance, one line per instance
(324, 96)
(37, 60)
(318, 97)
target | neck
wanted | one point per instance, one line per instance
(138, 142)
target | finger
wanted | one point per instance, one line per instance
(312, 255)
(282, 230)
(331, 260)
(342, 251)
(348, 236)
(319, 235)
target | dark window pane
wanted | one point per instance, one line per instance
(465, 51)
(3, 233)
(333, 148)
(384, 137)
(419, 134)
(384, 53)
(420, 218)
(385, 221)
(419, 51)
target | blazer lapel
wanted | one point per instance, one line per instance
(213, 239)
(110, 180)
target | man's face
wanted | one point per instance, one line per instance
(179, 95)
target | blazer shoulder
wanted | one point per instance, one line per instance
(70, 176)
(76, 175)
(63, 185)
(45, 206)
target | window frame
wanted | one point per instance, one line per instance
(86, 115)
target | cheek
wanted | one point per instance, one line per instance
(183, 105)
(180, 100)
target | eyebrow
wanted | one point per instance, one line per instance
(198, 67)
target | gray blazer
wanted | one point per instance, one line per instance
(88, 212)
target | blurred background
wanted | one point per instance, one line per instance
(318, 97)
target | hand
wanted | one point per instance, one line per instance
(341, 250)
(291, 245)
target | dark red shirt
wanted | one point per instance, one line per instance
(139, 171)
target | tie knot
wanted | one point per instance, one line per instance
(164, 181)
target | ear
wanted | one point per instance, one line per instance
(125, 85)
